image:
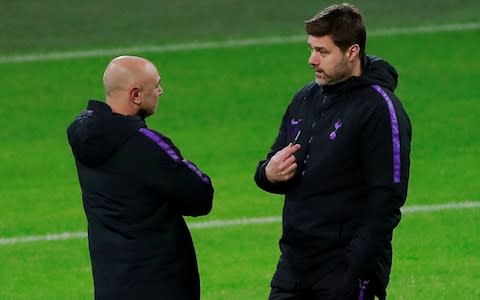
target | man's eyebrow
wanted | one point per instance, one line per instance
(318, 48)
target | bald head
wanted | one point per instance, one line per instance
(127, 81)
(123, 71)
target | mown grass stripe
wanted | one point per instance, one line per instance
(76, 54)
(233, 222)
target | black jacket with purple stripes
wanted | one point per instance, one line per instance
(344, 202)
(136, 188)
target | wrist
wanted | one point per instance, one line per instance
(266, 173)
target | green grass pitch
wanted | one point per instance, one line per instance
(222, 107)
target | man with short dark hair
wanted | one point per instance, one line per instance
(341, 159)
(136, 188)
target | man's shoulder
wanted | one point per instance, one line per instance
(307, 91)
(374, 94)
(158, 141)
(308, 88)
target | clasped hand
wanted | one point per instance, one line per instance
(283, 165)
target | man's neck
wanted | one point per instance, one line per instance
(357, 68)
(119, 106)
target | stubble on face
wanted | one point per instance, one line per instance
(337, 73)
(328, 61)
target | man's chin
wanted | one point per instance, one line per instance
(320, 81)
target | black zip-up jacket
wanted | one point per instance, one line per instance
(341, 207)
(136, 188)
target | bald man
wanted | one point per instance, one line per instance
(136, 188)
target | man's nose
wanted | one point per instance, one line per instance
(313, 59)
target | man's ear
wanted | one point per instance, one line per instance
(134, 93)
(353, 52)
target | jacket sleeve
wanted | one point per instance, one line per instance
(385, 153)
(185, 186)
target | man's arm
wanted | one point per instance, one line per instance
(386, 137)
(186, 187)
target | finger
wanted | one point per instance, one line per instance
(290, 171)
(273, 171)
(290, 160)
(279, 164)
(287, 151)
(292, 148)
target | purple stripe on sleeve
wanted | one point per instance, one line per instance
(169, 150)
(160, 142)
(197, 171)
(395, 133)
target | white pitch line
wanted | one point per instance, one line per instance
(234, 222)
(439, 207)
(41, 238)
(231, 223)
(62, 55)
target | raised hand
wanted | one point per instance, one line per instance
(283, 165)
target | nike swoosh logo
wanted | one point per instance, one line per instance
(295, 121)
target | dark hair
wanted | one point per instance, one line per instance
(343, 22)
